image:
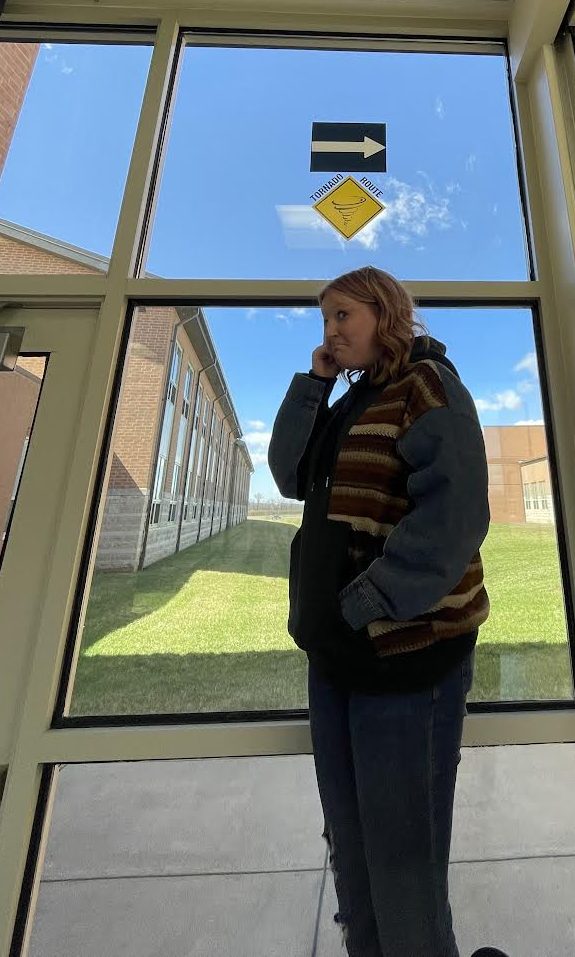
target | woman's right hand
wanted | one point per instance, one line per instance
(323, 363)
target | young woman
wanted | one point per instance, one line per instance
(386, 598)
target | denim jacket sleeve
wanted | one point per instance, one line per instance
(300, 416)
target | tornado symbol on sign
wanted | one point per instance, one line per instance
(347, 210)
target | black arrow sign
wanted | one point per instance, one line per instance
(348, 147)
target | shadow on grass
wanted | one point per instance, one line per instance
(119, 598)
(276, 680)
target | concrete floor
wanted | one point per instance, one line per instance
(225, 857)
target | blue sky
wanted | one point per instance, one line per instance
(235, 195)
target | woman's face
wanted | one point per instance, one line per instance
(350, 331)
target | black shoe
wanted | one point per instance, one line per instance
(489, 952)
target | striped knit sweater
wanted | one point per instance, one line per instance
(369, 493)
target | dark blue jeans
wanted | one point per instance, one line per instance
(386, 768)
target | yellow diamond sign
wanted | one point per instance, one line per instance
(349, 207)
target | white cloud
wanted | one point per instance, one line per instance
(495, 209)
(453, 187)
(258, 443)
(525, 386)
(304, 228)
(509, 399)
(299, 311)
(529, 422)
(251, 313)
(52, 55)
(257, 424)
(471, 163)
(257, 440)
(258, 458)
(411, 211)
(529, 364)
(439, 107)
(368, 237)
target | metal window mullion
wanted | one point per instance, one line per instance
(508, 726)
(539, 109)
(42, 290)
(247, 291)
(566, 160)
(566, 75)
(475, 21)
(376, 41)
(19, 809)
(141, 171)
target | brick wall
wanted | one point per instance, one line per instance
(506, 447)
(141, 397)
(16, 65)
(20, 258)
(35, 365)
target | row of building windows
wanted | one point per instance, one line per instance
(207, 482)
(536, 496)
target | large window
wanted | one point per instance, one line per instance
(69, 114)
(238, 167)
(204, 627)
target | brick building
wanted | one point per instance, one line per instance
(180, 470)
(536, 482)
(509, 448)
(16, 65)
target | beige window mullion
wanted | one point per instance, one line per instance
(544, 124)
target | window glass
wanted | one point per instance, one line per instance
(69, 116)
(236, 196)
(523, 647)
(190, 615)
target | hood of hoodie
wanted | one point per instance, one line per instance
(426, 347)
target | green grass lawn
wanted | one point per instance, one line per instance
(205, 630)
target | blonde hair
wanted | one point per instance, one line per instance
(397, 323)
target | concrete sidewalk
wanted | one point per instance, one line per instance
(225, 857)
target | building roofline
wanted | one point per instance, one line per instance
(542, 458)
(55, 246)
(519, 425)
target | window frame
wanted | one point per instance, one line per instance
(45, 737)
